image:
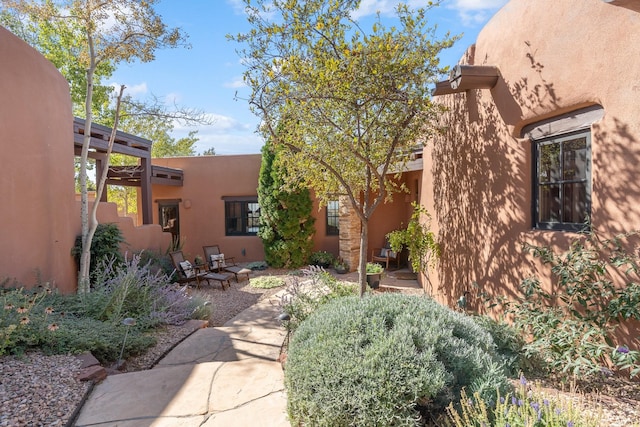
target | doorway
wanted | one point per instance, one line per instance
(169, 215)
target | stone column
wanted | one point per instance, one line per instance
(349, 234)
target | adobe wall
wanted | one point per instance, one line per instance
(553, 57)
(207, 179)
(36, 183)
(201, 209)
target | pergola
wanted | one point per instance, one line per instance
(143, 175)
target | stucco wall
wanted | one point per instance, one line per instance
(40, 217)
(553, 57)
(36, 183)
(207, 179)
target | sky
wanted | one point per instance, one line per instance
(208, 76)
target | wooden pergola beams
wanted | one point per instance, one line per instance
(142, 175)
(467, 77)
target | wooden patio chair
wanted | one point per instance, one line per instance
(187, 273)
(385, 255)
(217, 262)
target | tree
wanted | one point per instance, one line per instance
(153, 127)
(112, 31)
(286, 224)
(356, 103)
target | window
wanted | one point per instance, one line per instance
(562, 169)
(333, 217)
(563, 181)
(242, 217)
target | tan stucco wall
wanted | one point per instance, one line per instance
(207, 179)
(36, 183)
(40, 218)
(553, 57)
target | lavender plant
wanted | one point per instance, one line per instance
(523, 407)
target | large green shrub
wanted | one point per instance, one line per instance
(105, 248)
(286, 223)
(133, 290)
(103, 339)
(55, 323)
(384, 360)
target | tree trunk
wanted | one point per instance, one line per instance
(362, 270)
(84, 284)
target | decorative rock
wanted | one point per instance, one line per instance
(92, 373)
(87, 359)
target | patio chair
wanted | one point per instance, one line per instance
(385, 255)
(217, 262)
(187, 273)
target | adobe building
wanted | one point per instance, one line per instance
(202, 200)
(542, 131)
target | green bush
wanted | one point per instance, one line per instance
(105, 248)
(510, 347)
(310, 291)
(133, 290)
(266, 282)
(157, 262)
(103, 339)
(321, 259)
(384, 360)
(286, 223)
(596, 287)
(27, 320)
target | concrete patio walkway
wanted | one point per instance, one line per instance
(218, 377)
(227, 376)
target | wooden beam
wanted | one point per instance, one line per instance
(443, 88)
(466, 77)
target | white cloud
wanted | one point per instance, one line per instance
(237, 82)
(476, 12)
(219, 124)
(230, 144)
(133, 90)
(226, 135)
(172, 98)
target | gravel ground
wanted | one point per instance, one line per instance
(38, 390)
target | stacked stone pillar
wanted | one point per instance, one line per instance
(349, 234)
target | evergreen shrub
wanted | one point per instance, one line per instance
(105, 248)
(386, 360)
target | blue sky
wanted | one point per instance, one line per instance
(207, 76)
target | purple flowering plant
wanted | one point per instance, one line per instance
(525, 406)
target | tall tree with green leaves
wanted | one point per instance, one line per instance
(111, 32)
(286, 223)
(357, 101)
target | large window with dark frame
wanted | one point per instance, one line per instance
(242, 217)
(333, 218)
(563, 181)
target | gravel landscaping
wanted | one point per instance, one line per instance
(38, 390)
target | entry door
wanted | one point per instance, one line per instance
(170, 220)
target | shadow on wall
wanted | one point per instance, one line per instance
(482, 179)
(482, 188)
